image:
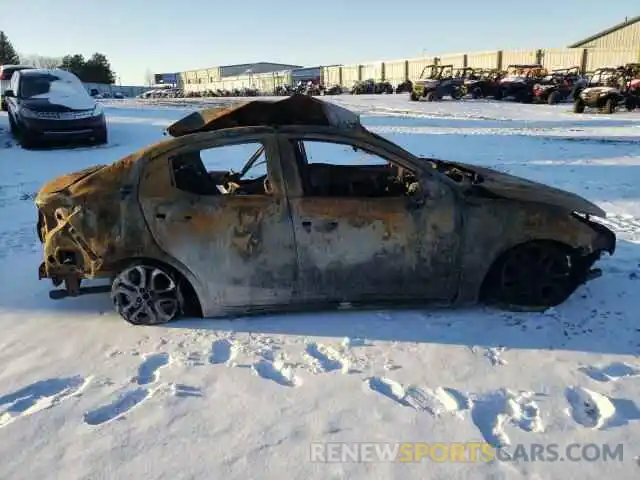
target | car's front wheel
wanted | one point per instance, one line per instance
(532, 275)
(101, 137)
(26, 137)
(147, 294)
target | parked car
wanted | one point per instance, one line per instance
(519, 81)
(607, 90)
(46, 105)
(302, 223)
(6, 73)
(560, 85)
(436, 82)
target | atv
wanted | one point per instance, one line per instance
(608, 89)
(560, 85)
(436, 82)
(519, 81)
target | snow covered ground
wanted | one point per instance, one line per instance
(84, 395)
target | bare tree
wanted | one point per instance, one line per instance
(40, 61)
(149, 77)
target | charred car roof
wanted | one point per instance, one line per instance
(294, 110)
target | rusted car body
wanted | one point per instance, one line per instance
(170, 234)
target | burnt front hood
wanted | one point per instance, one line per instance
(62, 182)
(518, 188)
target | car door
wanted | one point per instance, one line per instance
(240, 247)
(365, 247)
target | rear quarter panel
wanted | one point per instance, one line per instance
(493, 226)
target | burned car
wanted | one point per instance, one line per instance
(306, 222)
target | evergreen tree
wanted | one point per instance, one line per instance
(8, 55)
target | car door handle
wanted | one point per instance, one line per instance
(326, 226)
(176, 218)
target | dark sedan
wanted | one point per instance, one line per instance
(53, 105)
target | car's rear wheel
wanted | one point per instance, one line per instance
(476, 93)
(147, 294)
(431, 97)
(578, 106)
(536, 274)
(414, 97)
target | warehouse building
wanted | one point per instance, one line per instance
(623, 36)
(261, 75)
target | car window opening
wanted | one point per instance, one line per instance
(191, 175)
(328, 178)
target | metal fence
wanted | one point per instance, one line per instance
(126, 90)
(398, 71)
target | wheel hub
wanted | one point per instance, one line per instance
(146, 295)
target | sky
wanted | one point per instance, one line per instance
(141, 36)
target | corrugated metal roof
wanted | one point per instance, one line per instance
(626, 23)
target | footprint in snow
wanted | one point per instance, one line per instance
(612, 372)
(148, 369)
(588, 408)
(494, 356)
(389, 388)
(437, 401)
(122, 405)
(276, 371)
(324, 358)
(40, 396)
(223, 351)
(492, 412)
(181, 390)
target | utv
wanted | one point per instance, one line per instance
(436, 82)
(332, 90)
(519, 81)
(404, 87)
(560, 85)
(370, 86)
(363, 87)
(608, 89)
(482, 83)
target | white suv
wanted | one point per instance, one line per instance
(6, 72)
